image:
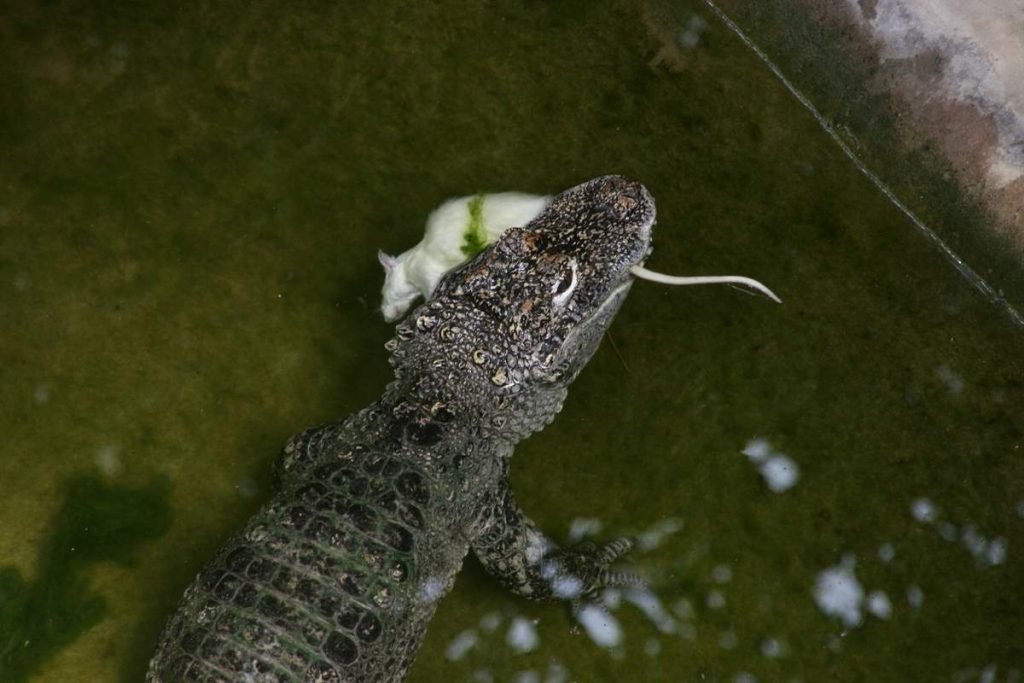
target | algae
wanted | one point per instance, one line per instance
(97, 522)
(474, 239)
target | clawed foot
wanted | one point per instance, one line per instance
(580, 572)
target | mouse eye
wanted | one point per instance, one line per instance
(565, 285)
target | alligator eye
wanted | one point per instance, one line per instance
(565, 285)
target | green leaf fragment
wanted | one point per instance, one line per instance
(474, 239)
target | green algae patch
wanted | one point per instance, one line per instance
(98, 522)
(474, 239)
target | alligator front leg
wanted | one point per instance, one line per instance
(527, 562)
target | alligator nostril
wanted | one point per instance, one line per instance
(624, 203)
(621, 195)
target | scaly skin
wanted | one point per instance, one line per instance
(337, 577)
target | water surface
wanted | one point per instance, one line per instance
(191, 199)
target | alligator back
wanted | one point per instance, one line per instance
(337, 577)
(334, 580)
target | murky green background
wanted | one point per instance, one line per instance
(191, 197)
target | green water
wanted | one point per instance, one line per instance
(191, 198)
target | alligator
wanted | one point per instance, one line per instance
(337, 577)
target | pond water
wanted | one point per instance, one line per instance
(191, 200)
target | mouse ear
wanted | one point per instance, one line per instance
(388, 261)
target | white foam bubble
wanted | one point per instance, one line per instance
(923, 510)
(878, 603)
(481, 676)
(886, 552)
(839, 594)
(953, 381)
(528, 676)
(780, 472)
(651, 606)
(773, 648)
(689, 36)
(915, 596)
(582, 527)
(522, 635)
(996, 553)
(974, 541)
(490, 622)
(611, 597)
(757, 450)
(108, 459)
(461, 644)
(600, 625)
(683, 608)
(654, 536)
(567, 587)
(556, 673)
(432, 589)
